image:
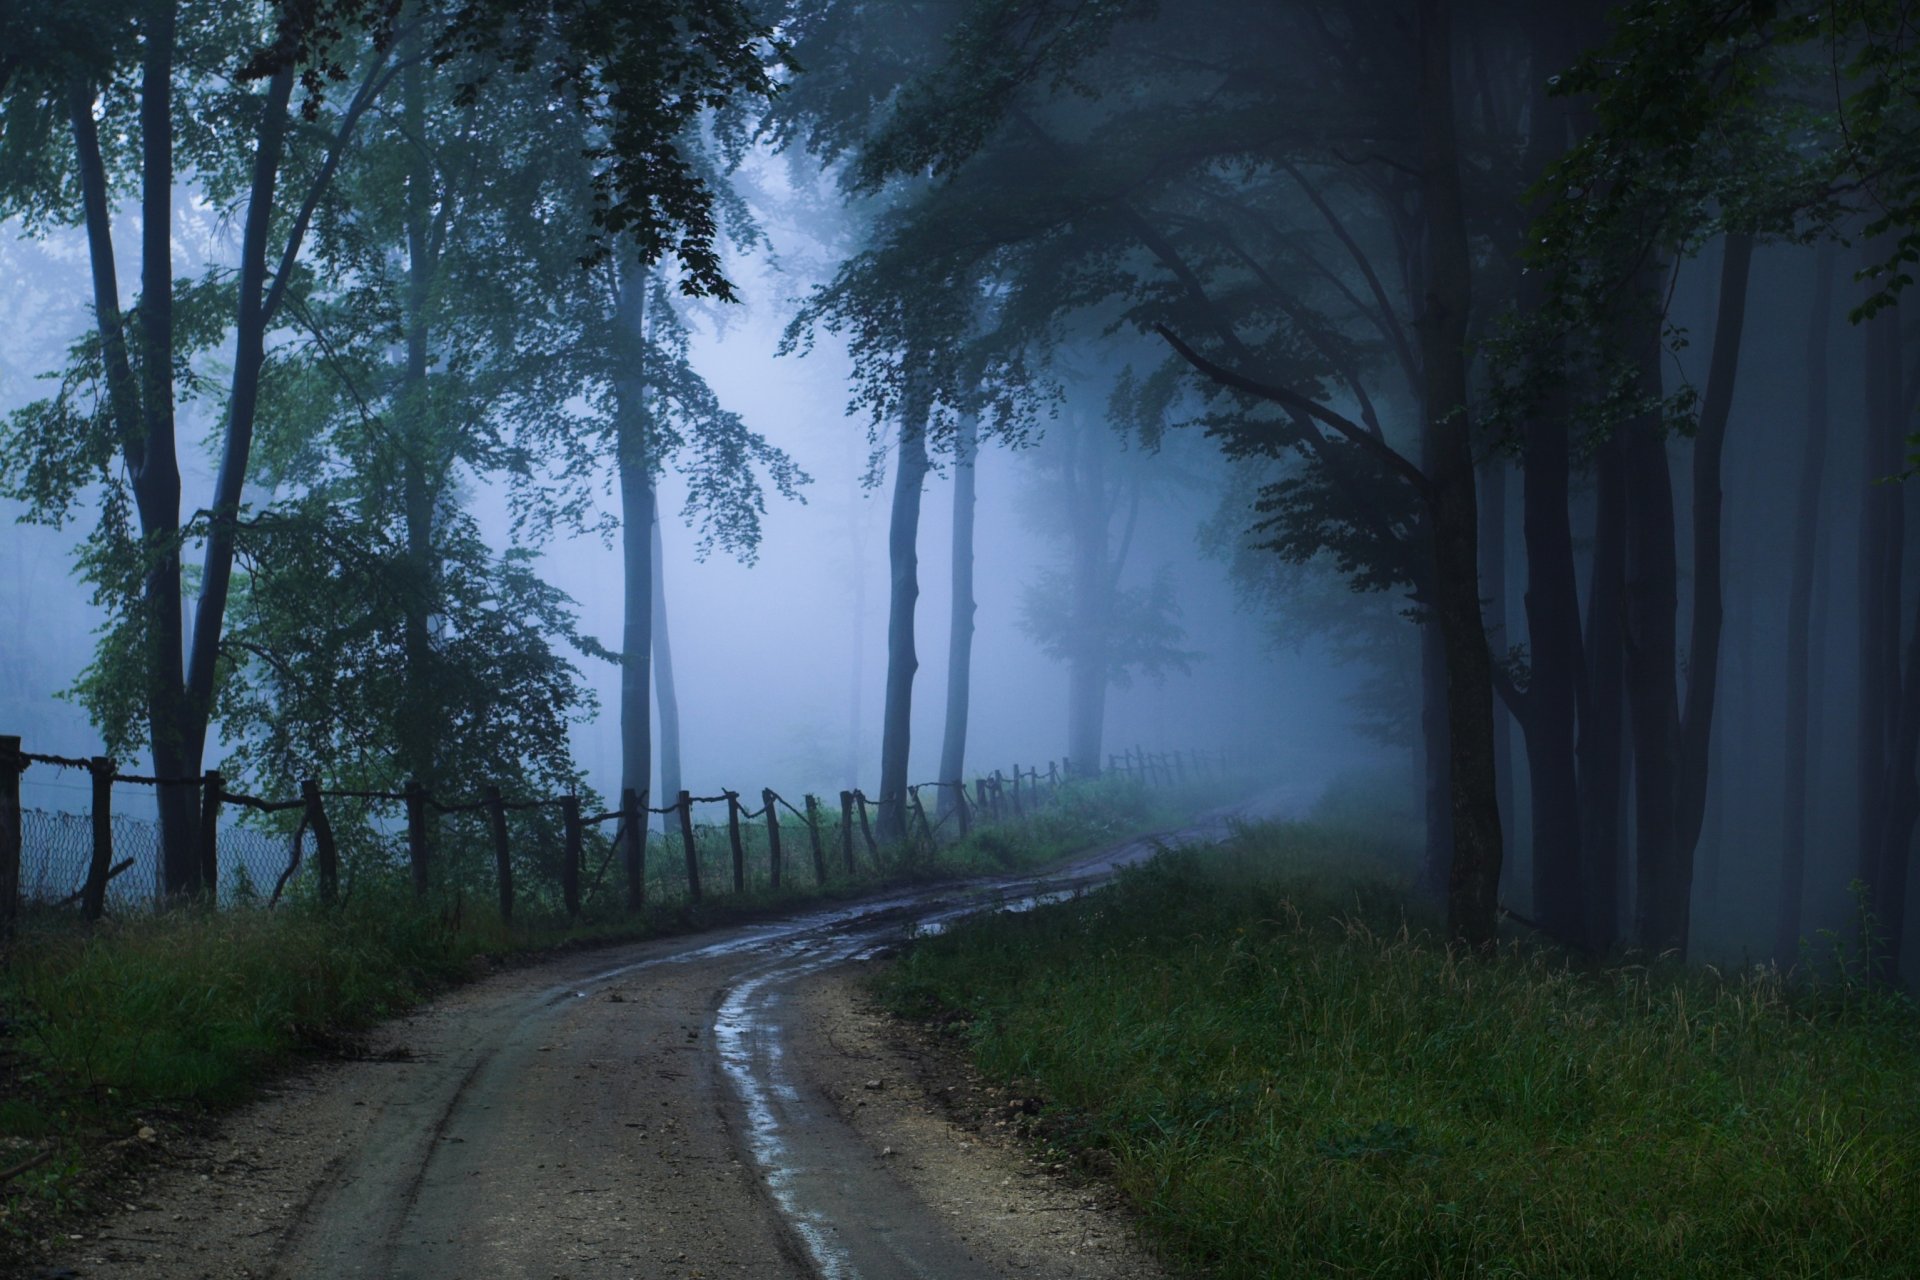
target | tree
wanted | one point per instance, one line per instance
(662, 67)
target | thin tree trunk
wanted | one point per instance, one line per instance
(634, 447)
(1474, 878)
(419, 461)
(1601, 750)
(1493, 582)
(1436, 758)
(953, 746)
(1709, 447)
(903, 533)
(1091, 606)
(156, 473)
(663, 676)
(1806, 541)
(1553, 634)
(1888, 710)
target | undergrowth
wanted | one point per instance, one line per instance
(173, 1014)
(1288, 1074)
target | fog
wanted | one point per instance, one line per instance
(780, 662)
(1532, 476)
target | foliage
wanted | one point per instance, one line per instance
(1287, 1074)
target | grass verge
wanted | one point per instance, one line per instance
(1287, 1075)
(152, 1018)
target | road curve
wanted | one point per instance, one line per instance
(640, 1111)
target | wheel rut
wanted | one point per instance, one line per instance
(666, 1109)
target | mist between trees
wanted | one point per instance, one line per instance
(1507, 403)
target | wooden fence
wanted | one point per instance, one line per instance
(994, 797)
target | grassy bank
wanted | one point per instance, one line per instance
(153, 1016)
(1288, 1076)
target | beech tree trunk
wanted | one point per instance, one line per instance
(953, 745)
(1090, 576)
(419, 460)
(633, 447)
(903, 533)
(1474, 878)
(663, 676)
(1806, 539)
(1601, 750)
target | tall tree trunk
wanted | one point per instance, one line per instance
(1671, 751)
(1651, 600)
(1709, 447)
(1806, 541)
(903, 534)
(634, 446)
(663, 677)
(1889, 701)
(1474, 879)
(1493, 582)
(1089, 579)
(1436, 759)
(421, 449)
(953, 745)
(1601, 750)
(156, 473)
(1560, 896)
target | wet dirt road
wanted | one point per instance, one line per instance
(681, 1107)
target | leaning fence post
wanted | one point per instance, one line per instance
(960, 806)
(326, 854)
(866, 828)
(502, 858)
(733, 839)
(10, 767)
(570, 860)
(417, 835)
(93, 899)
(685, 805)
(980, 794)
(773, 837)
(210, 835)
(1053, 776)
(919, 812)
(633, 821)
(846, 829)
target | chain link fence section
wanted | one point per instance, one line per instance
(57, 847)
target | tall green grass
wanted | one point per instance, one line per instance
(1289, 1075)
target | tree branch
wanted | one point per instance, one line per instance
(1293, 401)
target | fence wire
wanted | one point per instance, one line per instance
(56, 849)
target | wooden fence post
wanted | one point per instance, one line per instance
(919, 812)
(210, 835)
(1053, 777)
(960, 806)
(773, 837)
(866, 828)
(685, 805)
(846, 828)
(417, 835)
(813, 840)
(93, 899)
(502, 857)
(570, 860)
(10, 767)
(733, 839)
(980, 796)
(633, 822)
(326, 854)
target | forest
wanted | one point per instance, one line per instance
(1545, 367)
(1497, 417)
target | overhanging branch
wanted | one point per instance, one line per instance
(1293, 401)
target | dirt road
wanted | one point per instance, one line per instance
(720, 1105)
